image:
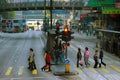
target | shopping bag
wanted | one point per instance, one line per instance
(80, 62)
(99, 61)
(34, 71)
(46, 66)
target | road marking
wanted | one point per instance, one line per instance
(115, 68)
(79, 70)
(92, 69)
(20, 71)
(8, 72)
(34, 71)
(104, 69)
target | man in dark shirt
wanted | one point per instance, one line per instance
(101, 58)
(79, 56)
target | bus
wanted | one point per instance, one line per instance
(13, 25)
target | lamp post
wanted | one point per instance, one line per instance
(51, 13)
(0, 21)
(45, 8)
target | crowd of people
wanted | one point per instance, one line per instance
(98, 58)
(60, 56)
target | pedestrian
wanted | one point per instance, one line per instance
(79, 57)
(86, 56)
(47, 61)
(96, 58)
(62, 54)
(101, 58)
(57, 55)
(31, 60)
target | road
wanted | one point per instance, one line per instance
(14, 52)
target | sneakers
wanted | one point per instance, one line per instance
(41, 69)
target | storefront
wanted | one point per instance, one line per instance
(110, 41)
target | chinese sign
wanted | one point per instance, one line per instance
(110, 10)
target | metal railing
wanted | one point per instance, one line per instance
(40, 5)
(37, 4)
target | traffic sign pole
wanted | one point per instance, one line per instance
(67, 65)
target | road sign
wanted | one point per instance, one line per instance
(67, 60)
(60, 12)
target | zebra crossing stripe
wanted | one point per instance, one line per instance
(20, 71)
(104, 69)
(115, 68)
(8, 72)
(92, 69)
(79, 70)
(34, 71)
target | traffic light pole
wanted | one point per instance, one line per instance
(51, 13)
(66, 50)
(67, 65)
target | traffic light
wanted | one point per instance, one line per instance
(66, 34)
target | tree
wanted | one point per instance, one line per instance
(7, 15)
(47, 13)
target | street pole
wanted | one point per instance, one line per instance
(66, 50)
(0, 22)
(67, 65)
(45, 8)
(51, 13)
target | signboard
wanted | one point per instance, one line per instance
(60, 12)
(110, 10)
(117, 5)
(87, 8)
(82, 15)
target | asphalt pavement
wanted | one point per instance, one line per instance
(14, 52)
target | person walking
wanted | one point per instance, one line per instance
(86, 56)
(101, 58)
(31, 60)
(96, 58)
(62, 59)
(47, 61)
(79, 56)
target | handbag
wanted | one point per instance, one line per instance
(99, 60)
(80, 62)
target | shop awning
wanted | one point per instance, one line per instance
(109, 31)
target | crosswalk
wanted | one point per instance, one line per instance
(8, 72)
(20, 71)
(80, 70)
(105, 70)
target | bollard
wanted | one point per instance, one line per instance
(67, 68)
(67, 65)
